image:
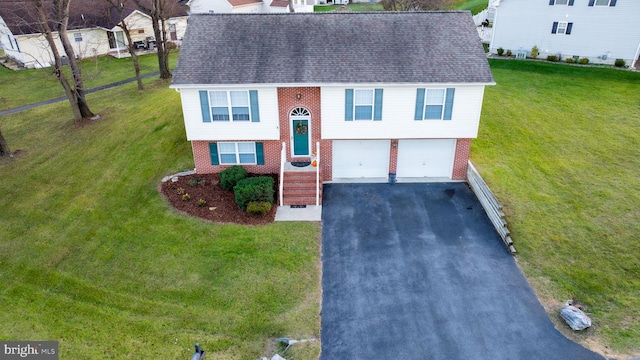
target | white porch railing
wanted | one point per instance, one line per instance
(317, 160)
(283, 158)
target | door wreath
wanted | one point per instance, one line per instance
(301, 128)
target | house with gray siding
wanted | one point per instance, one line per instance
(600, 30)
(401, 100)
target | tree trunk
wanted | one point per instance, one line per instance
(68, 90)
(157, 13)
(75, 94)
(76, 72)
(134, 57)
(4, 148)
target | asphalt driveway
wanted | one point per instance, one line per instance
(416, 271)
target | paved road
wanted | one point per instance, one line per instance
(64, 98)
(416, 271)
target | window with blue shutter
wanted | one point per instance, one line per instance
(448, 104)
(419, 104)
(230, 106)
(204, 106)
(434, 104)
(255, 110)
(213, 151)
(602, 2)
(232, 153)
(377, 106)
(554, 27)
(569, 27)
(348, 104)
(363, 104)
(260, 153)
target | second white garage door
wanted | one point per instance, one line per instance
(426, 158)
(360, 159)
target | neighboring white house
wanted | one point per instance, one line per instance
(248, 6)
(409, 106)
(600, 30)
(93, 31)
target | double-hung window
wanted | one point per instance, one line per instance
(77, 37)
(363, 104)
(224, 103)
(561, 2)
(229, 106)
(562, 28)
(602, 2)
(233, 153)
(237, 152)
(434, 104)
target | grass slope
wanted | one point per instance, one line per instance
(475, 6)
(558, 144)
(92, 256)
(18, 88)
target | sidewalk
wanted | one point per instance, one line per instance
(51, 101)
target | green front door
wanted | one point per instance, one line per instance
(301, 137)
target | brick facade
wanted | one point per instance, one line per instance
(310, 100)
(461, 160)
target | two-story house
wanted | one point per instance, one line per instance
(600, 30)
(400, 96)
(248, 6)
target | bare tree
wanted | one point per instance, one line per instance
(159, 11)
(58, 14)
(119, 7)
(4, 148)
(416, 5)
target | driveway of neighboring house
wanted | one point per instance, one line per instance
(416, 271)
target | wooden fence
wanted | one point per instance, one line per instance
(490, 204)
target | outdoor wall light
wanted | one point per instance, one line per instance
(298, 96)
(394, 143)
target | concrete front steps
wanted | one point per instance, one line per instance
(299, 188)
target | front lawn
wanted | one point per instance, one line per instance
(93, 257)
(18, 88)
(559, 145)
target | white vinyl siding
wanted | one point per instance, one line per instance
(598, 31)
(398, 112)
(266, 129)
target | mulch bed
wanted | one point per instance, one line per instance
(220, 204)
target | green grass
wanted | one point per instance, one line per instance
(475, 6)
(29, 86)
(92, 256)
(558, 144)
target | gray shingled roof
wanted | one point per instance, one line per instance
(381, 47)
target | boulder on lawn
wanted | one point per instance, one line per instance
(576, 319)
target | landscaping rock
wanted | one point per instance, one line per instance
(277, 357)
(575, 318)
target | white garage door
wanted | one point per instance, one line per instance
(361, 159)
(426, 158)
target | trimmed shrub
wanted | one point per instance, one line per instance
(583, 61)
(230, 177)
(500, 51)
(620, 63)
(253, 189)
(202, 202)
(535, 52)
(509, 53)
(569, 60)
(259, 208)
(552, 58)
